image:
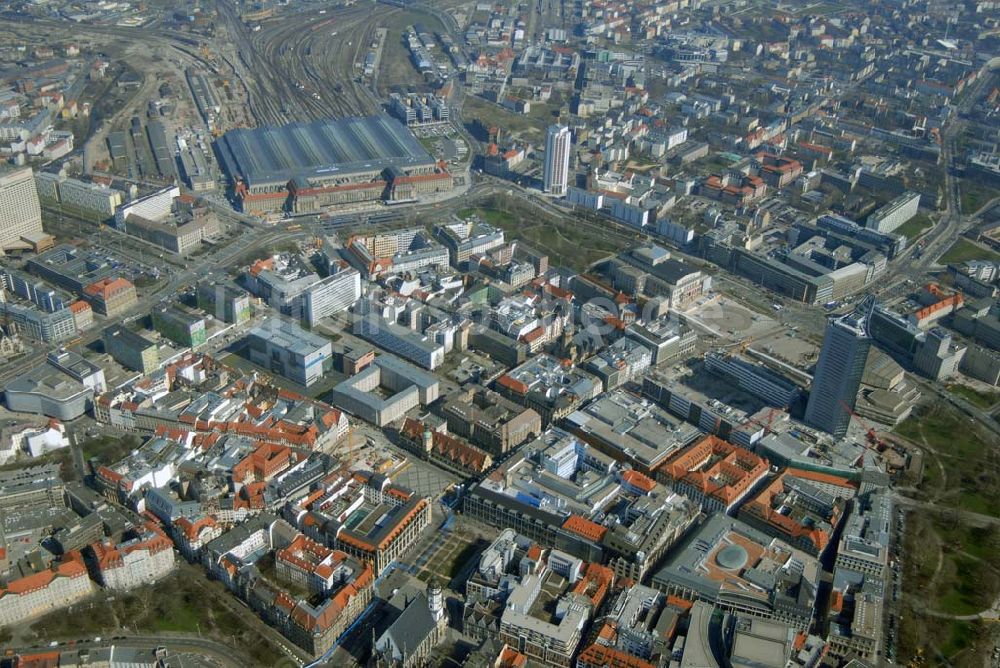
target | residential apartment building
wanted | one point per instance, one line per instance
(62, 585)
(131, 564)
(192, 534)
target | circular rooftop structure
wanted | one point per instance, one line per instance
(731, 557)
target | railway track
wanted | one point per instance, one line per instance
(319, 55)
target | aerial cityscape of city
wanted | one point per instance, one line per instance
(511, 334)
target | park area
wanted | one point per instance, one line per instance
(575, 244)
(963, 250)
(950, 572)
(183, 603)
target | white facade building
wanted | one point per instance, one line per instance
(155, 207)
(20, 211)
(558, 144)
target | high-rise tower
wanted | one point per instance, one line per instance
(20, 211)
(558, 143)
(839, 370)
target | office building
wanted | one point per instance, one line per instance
(385, 391)
(549, 387)
(635, 631)
(550, 634)
(534, 599)
(558, 146)
(179, 326)
(93, 200)
(631, 429)
(37, 292)
(713, 473)
(490, 421)
(755, 379)
(30, 488)
(561, 492)
(155, 206)
(286, 349)
(468, 238)
(395, 252)
(73, 268)
(20, 211)
(666, 338)
(224, 301)
(111, 296)
(802, 508)
(35, 323)
(838, 375)
(737, 568)
(865, 541)
(386, 519)
(333, 294)
(895, 213)
(982, 364)
(399, 340)
(131, 350)
(622, 362)
(177, 223)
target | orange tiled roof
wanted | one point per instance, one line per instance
(582, 526)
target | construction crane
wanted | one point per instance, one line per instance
(770, 420)
(873, 442)
(871, 435)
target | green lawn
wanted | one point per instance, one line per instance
(948, 568)
(964, 249)
(967, 451)
(982, 400)
(109, 449)
(975, 195)
(914, 227)
(178, 603)
(529, 126)
(568, 245)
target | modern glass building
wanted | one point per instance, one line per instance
(838, 373)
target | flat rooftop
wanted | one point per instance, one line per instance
(49, 381)
(318, 149)
(289, 336)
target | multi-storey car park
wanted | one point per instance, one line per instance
(302, 168)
